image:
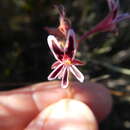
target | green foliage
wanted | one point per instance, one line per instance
(24, 53)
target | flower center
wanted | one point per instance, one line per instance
(67, 62)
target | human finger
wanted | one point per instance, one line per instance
(67, 114)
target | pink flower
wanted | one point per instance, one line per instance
(65, 59)
(109, 23)
(64, 24)
(114, 15)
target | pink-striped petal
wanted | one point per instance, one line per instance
(54, 74)
(54, 31)
(114, 13)
(71, 46)
(77, 73)
(77, 62)
(104, 25)
(65, 82)
(60, 75)
(55, 47)
(122, 17)
(113, 4)
(55, 64)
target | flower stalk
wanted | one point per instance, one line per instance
(63, 43)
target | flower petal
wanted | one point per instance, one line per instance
(71, 46)
(105, 25)
(77, 73)
(77, 62)
(122, 17)
(55, 47)
(65, 82)
(54, 31)
(55, 64)
(54, 74)
(60, 75)
(113, 4)
(65, 23)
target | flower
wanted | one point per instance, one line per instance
(109, 23)
(64, 24)
(65, 57)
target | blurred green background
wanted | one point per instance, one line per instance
(25, 57)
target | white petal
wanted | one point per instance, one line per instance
(122, 17)
(57, 50)
(113, 4)
(77, 73)
(60, 75)
(54, 74)
(71, 45)
(55, 64)
(65, 81)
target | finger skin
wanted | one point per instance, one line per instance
(95, 95)
(16, 111)
(67, 114)
(18, 107)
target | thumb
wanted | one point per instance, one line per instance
(67, 114)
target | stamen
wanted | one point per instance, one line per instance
(67, 62)
(62, 43)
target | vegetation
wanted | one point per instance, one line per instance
(25, 56)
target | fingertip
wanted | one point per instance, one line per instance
(96, 96)
(67, 114)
